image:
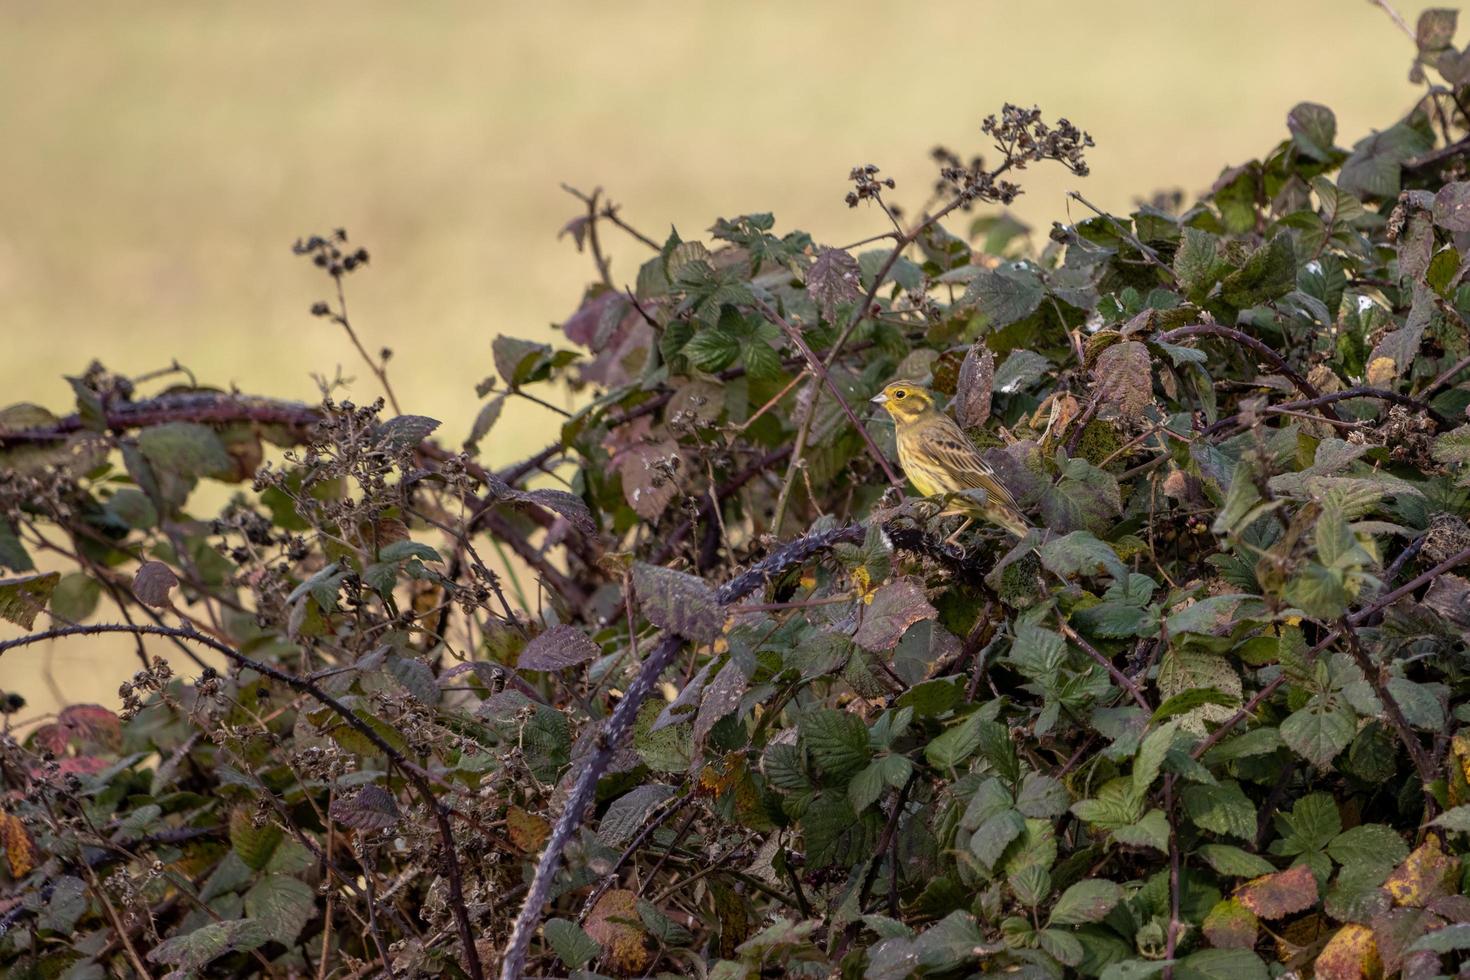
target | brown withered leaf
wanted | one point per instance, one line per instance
(895, 607)
(833, 279)
(153, 582)
(1125, 378)
(647, 485)
(975, 386)
(1278, 895)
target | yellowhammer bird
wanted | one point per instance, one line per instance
(938, 458)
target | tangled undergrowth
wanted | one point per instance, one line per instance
(737, 710)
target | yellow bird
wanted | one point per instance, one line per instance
(938, 458)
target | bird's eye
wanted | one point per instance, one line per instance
(899, 393)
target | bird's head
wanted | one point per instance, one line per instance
(904, 400)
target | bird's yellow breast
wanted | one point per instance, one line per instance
(922, 473)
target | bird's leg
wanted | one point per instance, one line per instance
(959, 530)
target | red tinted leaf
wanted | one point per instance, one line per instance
(895, 607)
(1275, 896)
(832, 280)
(559, 647)
(678, 602)
(370, 808)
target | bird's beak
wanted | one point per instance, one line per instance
(879, 398)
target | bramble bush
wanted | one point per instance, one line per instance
(737, 709)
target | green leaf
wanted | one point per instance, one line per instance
(930, 699)
(1090, 900)
(1222, 809)
(66, 904)
(187, 449)
(990, 840)
(416, 677)
(1268, 273)
(834, 834)
(1369, 844)
(1319, 731)
(1447, 939)
(22, 599)
(282, 904)
(13, 554)
(1234, 862)
(405, 549)
(254, 845)
(193, 950)
(1042, 797)
(1022, 369)
(1080, 553)
(1309, 826)
(712, 350)
(837, 741)
(867, 785)
(1151, 752)
(1313, 130)
(1196, 264)
(1005, 294)
(625, 816)
(1221, 964)
(75, 597)
(1150, 831)
(1456, 818)
(1085, 498)
(1186, 701)
(947, 750)
(1374, 167)
(571, 944)
(519, 361)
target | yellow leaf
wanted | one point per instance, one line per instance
(527, 831)
(1351, 954)
(20, 852)
(1381, 371)
(1426, 873)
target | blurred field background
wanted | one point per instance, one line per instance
(160, 158)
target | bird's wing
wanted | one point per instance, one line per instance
(952, 449)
